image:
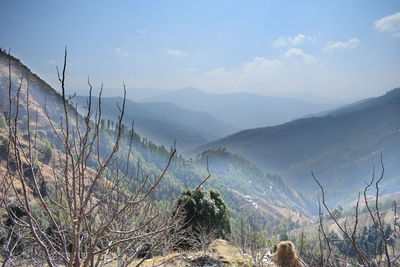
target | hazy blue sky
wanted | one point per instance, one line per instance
(335, 49)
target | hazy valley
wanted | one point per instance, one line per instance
(200, 133)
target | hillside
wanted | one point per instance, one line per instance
(42, 96)
(364, 220)
(341, 147)
(163, 122)
(252, 190)
(242, 110)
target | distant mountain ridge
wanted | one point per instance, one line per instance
(340, 147)
(163, 122)
(242, 110)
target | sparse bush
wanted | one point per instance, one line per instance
(205, 214)
(47, 152)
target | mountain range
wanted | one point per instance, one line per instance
(242, 110)
(340, 147)
(238, 180)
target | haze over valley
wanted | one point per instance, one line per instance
(212, 133)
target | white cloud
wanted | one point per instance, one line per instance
(389, 24)
(121, 52)
(141, 31)
(280, 42)
(252, 68)
(298, 53)
(260, 74)
(296, 40)
(176, 52)
(351, 43)
(51, 61)
(255, 73)
(260, 64)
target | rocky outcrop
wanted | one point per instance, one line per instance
(220, 253)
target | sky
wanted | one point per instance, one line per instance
(344, 49)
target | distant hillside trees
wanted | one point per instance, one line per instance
(375, 245)
(369, 238)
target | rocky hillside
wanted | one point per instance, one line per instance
(42, 96)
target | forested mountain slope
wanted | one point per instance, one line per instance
(341, 147)
(162, 122)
